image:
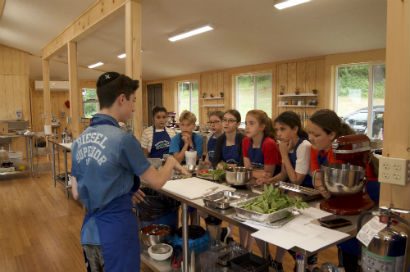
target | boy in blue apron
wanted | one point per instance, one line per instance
(187, 139)
(106, 165)
(215, 124)
(229, 145)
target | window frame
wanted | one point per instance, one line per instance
(191, 87)
(370, 91)
(255, 93)
(88, 101)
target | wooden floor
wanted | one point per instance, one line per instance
(39, 228)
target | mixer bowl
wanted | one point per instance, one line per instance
(343, 179)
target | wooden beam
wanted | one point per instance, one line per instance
(2, 5)
(87, 22)
(46, 93)
(74, 91)
(396, 142)
(133, 30)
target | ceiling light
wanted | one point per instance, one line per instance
(190, 33)
(122, 56)
(91, 66)
(289, 3)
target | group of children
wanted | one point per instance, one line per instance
(278, 150)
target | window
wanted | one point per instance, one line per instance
(253, 92)
(360, 89)
(90, 102)
(188, 97)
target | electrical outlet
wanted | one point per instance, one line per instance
(394, 170)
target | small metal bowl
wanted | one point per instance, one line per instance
(155, 234)
(238, 175)
(160, 252)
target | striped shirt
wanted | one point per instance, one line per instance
(148, 136)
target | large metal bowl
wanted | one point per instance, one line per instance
(238, 175)
(343, 179)
(155, 234)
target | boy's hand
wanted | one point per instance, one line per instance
(186, 138)
(138, 197)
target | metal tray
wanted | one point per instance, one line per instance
(223, 199)
(305, 193)
(260, 217)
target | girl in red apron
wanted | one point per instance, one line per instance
(325, 126)
(260, 152)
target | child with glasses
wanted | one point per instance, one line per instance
(215, 125)
(229, 144)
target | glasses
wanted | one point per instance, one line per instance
(230, 121)
(213, 122)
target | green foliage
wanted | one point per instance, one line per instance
(273, 200)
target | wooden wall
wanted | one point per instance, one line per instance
(14, 83)
(58, 108)
(305, 74)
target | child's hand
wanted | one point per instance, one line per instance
(186, 138)
(285, 147)
(138, 197)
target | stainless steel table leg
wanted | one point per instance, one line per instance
(185, 247)
(53, 163)
(31, 163)
(301, 261)
(265, 250)
(66, 173)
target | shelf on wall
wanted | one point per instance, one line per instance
(213, 98)
(298, 95)
(296, 106)
(214, 106)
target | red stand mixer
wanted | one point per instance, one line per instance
(346, 179)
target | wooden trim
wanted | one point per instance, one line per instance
(46, 92)
(84, 24)
(2, 5)
(133, 30)
(74, 93)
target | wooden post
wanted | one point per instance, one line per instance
(397, 111)
(133, 60)
(74, 91)
(46, 92)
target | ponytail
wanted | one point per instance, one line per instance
(263, 119)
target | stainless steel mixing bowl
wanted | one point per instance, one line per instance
(343, 179)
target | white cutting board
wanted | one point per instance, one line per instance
(192, 188)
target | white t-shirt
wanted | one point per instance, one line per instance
(148, 136)
(303, 158)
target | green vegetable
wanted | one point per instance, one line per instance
(273, 200)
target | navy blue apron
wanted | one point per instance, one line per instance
(160, 144)
(307, 182)
(118, 229)
(211, 146)
(230, 154)
(256, 156)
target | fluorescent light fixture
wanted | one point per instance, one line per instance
(95, 65)
(290, 3)
(190, 33)
(122, 56)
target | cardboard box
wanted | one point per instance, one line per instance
(4, 128)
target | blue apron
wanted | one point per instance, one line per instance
(230, 154)
(307, 182)
(118, 229)
(256, 156)
(211, 148)
(160, 144)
